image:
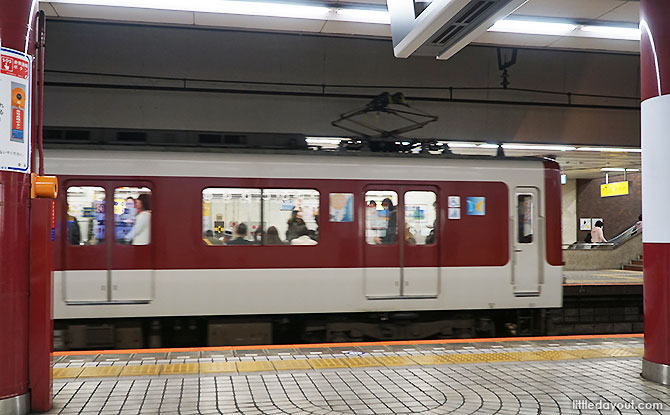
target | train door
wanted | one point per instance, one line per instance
(132, 255)
(107, 257)
(85, 275)
(527, 272)
(401, 247)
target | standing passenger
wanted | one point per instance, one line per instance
(391, 222)
(141, 232)
(293, 223)
(597, 233)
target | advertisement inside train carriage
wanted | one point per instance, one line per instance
(15, 101)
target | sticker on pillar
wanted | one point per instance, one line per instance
(15, 106)
(476, 206)
(454, 201)
(18, 112)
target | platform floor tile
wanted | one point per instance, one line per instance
(523, 388)
(255, 366)
(218, 367)
(101, 371)
(141, 370)
(291, 364)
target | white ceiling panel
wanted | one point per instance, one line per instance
(575, 9)
(516, 39)
(629, 12)
(48, 9)
(258, 22)
(360, 29)
(128, 14)
(597, 44)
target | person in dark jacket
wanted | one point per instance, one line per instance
(73, 231)
(391, 222)
(294, 222)
(241, 236)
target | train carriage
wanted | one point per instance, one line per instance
(470, 234)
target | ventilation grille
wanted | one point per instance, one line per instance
(471, 15)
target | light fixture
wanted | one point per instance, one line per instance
(612, 32)
(461, 145)
(538, 147)
(618, 169)
(324, 140)
(533, 27)
(564, 178)
(610, 149)
(251, 8)
(364, 15)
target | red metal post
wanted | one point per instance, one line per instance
(16, 18)
(655, 77)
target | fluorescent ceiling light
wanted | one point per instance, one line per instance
(611, 149)
(461, 145)
(617, 169)
(538, 147)
(364, 15)
(612, 32)
(532, 27)
(252, 8)
(324, 140)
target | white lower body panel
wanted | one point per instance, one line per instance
(324, 290)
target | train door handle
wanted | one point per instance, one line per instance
(518, 250)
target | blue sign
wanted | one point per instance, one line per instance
(476, 206)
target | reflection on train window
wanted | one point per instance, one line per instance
(132, 215)
(231, 216)
(85, 215)
(525, 218)
(420, 215)
(381, 217)
(291, 216)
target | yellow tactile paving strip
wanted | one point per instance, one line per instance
(341, 363)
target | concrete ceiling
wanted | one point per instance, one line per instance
(596, 11)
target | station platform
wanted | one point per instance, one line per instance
(543, 375)
(602, 277)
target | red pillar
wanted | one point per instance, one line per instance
(655, 73)
(15, 30)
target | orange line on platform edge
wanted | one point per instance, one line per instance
(353, 344)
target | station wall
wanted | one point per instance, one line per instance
(569, 211)
(187, 78)
(618, 212)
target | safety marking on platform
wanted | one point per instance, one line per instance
(180, 369)
(363, 362)
(590, 353)
(291, 364)
(513, 357)
(328, 363)
(395, 361)
(66, 372)
(218, 367)
(141, 370)
(101, 371)
(627, 352)
(433, 359)
(557, 355)
(255, 366)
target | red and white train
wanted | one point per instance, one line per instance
(480, 234)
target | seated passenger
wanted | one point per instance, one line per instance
(293, 223)
(258, 236)
(302, 236)
(227, 235)
(272, 237)
(241, 236)
(209, 238)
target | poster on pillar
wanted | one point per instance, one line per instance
(15, 107)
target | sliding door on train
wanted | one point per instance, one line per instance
(108, 255)
(528, 246)
(401, 248)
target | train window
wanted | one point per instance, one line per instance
(231, 216)
(85, 215)
(291, 216)
(420, 215)
(132, 215)
(525, 218)
(381, 217)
